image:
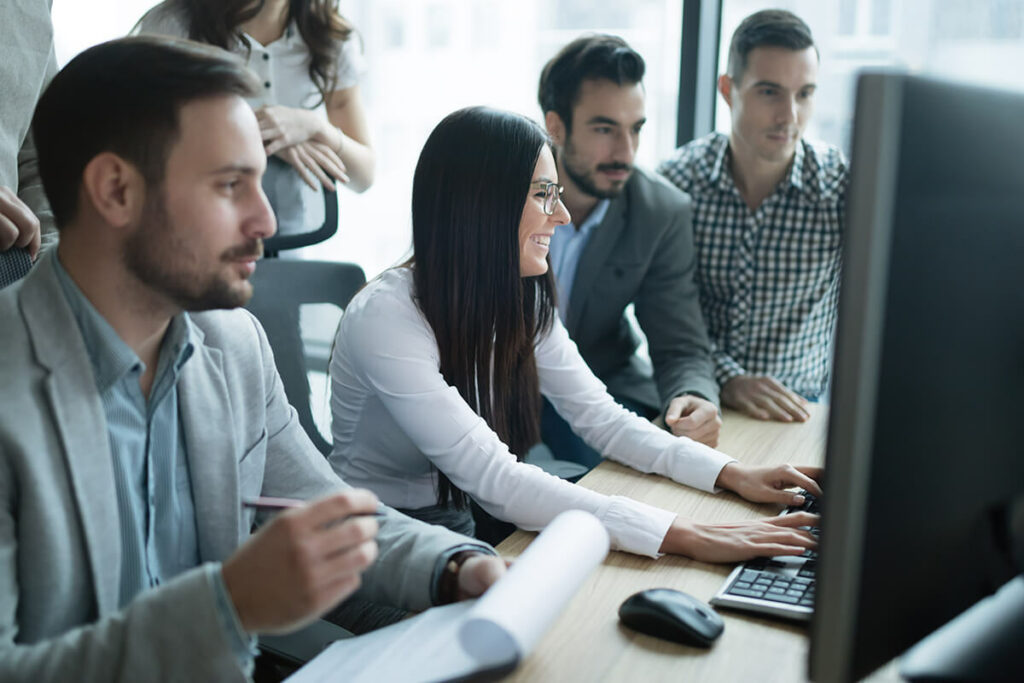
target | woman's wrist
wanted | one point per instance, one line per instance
(680, 538)
(330, 135)
(728, 476)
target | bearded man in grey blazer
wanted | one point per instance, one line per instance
(630, 241)
(141, 406)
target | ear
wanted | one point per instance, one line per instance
(556, 128)
(115, 188)
(725, 88)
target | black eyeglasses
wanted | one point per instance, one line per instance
(552, 193)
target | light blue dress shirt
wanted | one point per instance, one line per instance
(151, 473)
(566, 247)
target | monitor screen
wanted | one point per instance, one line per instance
(925, 450)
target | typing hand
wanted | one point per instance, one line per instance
(19, 227)
(741, 540)
(302, 563)
(769, 484)
(764, 398)
(477, 574)
(694, 417)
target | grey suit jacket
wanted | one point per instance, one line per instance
(59, 541)
(642, 253)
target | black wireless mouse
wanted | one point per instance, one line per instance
(672, 615)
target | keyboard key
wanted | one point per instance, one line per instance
(741, 584)
(802, 581)
(795, 594)
(788, 599)
(776, 590)
(749, 575)
(746, 593)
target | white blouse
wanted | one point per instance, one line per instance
(282, 66)
(394, 416)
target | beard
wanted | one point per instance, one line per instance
(167, 263)
(583, 177)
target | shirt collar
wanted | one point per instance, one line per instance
(795, 178)
(111, 358)
(289, 39)
(718, 152)
(805, 173)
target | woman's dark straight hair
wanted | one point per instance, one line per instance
(322, 28)
(471, 184)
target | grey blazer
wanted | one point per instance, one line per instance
(59, 541)
(642, 253)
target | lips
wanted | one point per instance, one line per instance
(615, 171)
(542, 240)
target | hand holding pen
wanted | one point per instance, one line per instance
(303, 561)
(274, 504)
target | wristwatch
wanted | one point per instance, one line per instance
(448, 583)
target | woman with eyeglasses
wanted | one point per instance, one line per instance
(439, 366)
(311, 114)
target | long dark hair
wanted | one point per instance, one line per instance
(468, 193)
(322, 28)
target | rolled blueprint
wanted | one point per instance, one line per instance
(511, 617)
(493, 635)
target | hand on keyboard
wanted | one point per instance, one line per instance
(774, 536)
(769, 484)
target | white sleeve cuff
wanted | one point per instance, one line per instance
(636, 527)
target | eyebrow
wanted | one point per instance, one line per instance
(773, 84)
(612, 122)
(244, 169)
(541, 180)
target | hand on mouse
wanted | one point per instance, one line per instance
(741, 540)
(769, 484)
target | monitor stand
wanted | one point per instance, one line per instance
(984, 643)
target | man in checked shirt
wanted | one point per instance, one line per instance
(768, 217)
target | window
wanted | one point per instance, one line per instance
(968, 40)
(456, 53)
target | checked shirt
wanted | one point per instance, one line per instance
(769, 279)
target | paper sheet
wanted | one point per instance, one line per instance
(498, 630)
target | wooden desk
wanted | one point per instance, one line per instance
(586, 643)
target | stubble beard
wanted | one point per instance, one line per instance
(584, 178)
(167, 264)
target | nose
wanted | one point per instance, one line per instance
(561, 214)
(788, 110)
(261, 222)
(627, 144)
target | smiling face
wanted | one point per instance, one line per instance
(535, 226)
(201, 231)
(598, 154)
(772, 103)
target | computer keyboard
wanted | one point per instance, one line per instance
(781, 586)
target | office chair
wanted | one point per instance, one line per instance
(284, 190)
(281, 289)
(14, 265)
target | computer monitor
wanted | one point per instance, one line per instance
(925, 454)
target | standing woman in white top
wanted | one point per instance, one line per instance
(310, 113)
(439, 366)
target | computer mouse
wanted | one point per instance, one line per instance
(672, 615)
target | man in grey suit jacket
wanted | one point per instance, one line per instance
(631, 241)
(131, 430)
